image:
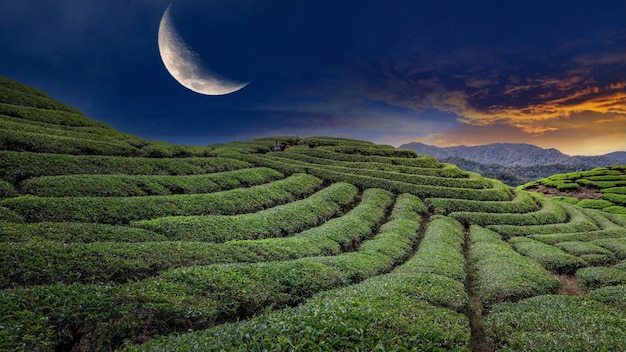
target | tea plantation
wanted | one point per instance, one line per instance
(112, 242)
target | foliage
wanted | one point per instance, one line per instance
(122, 210)
(502, 274)
(600, 276)
(278, 221)
(556, 323)
(142, 185)
(549, 257)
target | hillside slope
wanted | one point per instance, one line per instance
(109, 242)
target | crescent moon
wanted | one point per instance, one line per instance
(185, 65)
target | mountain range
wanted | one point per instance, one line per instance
(515, 163)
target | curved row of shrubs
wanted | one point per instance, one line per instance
(144, 185)
(45, 143)
(18, 166)
(447, 170)
(471, 183)
(522, 203)
(279, 221)
(202, 296)
(550, 212)
(555, 323)
(30, 263)
(499, 192)
(122, 210)
(422, 161)
(68, 232)
(550, 257)
(388, 311)
(575, 221)
(501, 273)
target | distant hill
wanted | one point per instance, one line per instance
(515, 154)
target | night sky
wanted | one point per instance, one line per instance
(550, 73)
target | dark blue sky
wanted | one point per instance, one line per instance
(550, 73)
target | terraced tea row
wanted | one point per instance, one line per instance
(202, 296)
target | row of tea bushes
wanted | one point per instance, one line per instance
(499, 192)
(18, 94)
(144, 185)
(102, 134)
(44, 143)
(611, 295)
(29, 263)
(589, 252)
(549, 213)
(522, 203)
(550, 257)
(68, 232)
(278, 221)
(378, 150)
(608, 229)
(200, 296)
(503, 274)
(122, 210)
(385, 311)
(18, 166)
(600, 276)
(422, 161)
(446, 170)
(574, 221)
(470, 183)
(556, 323)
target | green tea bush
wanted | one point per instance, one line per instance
(423, 161)
(594, 203)
(601, 184)
(619, 199)
(550, 213)
(43, 143)
(565, 199)
(501, 273)
(615, 245)
(373, 150)
(522, 203)
(584, 249)
(29, 97)
(498, 192)
(600, 276)
(122, 210)
(18, 166)
(284, 166)
(447, 170)
(549, 257)
(9, 215)
(382, 311)
(611, 295)
(440, 251)
(7, 190)
(67, 232)
(556, 323)
(30, 263)
(91, 133)
(278, 221)
(58, 117)
(142, 185)
(578, 222)
(616, 209)
(616, 190)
